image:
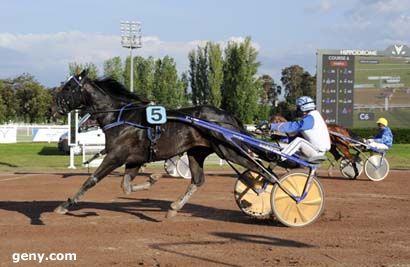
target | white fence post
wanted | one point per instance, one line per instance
(71, 166)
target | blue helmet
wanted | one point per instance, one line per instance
(305, 104)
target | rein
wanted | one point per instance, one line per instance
(116, 110)
(119, 120)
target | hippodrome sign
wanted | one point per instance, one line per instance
(351, 82)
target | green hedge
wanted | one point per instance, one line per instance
(400, 135)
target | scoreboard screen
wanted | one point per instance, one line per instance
(337, 89)
(356, 87)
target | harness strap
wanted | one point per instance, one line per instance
(120, 122)
(153, 134)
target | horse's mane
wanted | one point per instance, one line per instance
(117, 91)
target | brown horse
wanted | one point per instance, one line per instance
(340, 148)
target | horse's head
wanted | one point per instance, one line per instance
(71, 95)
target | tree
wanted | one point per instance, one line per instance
(297, 82)
(33, 100)
(215, 74)
(8, 103)
(199, 75)
(240, 88)
(309, 85)
(3, 107)
(185, 86)
(231, 68)
(144, 76)
(268, 96)
(113, 68)
(126, 73)
(202, 75)
(287, 110)
(193, 80)
(168, 89)
(270, 90)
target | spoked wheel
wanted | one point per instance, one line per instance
(170, 166)
(376, 168)
(252, 195)
(347, 168)
(287, 210)
(183, 167)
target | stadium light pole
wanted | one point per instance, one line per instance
(131, 39)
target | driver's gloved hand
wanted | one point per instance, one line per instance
(263, 126)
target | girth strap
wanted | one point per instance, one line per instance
(153, 134)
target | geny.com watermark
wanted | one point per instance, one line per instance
(40, 257)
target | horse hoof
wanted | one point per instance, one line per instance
(61, 210)
(171, 213)
(126, 190)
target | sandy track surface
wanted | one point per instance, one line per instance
(365, 224)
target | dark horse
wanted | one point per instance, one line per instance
(130, 141)
(340, 148)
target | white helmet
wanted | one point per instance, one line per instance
(305, 103)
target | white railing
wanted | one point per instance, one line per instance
(17, 133)
(8, 134)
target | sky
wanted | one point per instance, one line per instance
(42, 37)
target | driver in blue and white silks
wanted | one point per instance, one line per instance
(311, 127)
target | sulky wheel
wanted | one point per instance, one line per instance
(293, 214)
(347, 168)
(256, 205)
(183, 167)
(376, 168)
(170, 166)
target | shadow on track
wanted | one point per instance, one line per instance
(136, 207)
(8, 164)
(64, 174)
(263, 240)
(227, 238)
(358, 179)
(51, 151)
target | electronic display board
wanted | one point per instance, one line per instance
(356, 87)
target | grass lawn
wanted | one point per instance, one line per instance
(33, 156)
(399, 156)
(46, 157)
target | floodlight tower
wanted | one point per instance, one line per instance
(131, 39)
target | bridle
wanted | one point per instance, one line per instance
(65, 101)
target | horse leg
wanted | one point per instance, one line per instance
(196, 165)
(336, 155)
(354, 159)
(109, 164)
(147, 184)
(346, 153)
(131, 170)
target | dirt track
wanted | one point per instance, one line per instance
(365, 224)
